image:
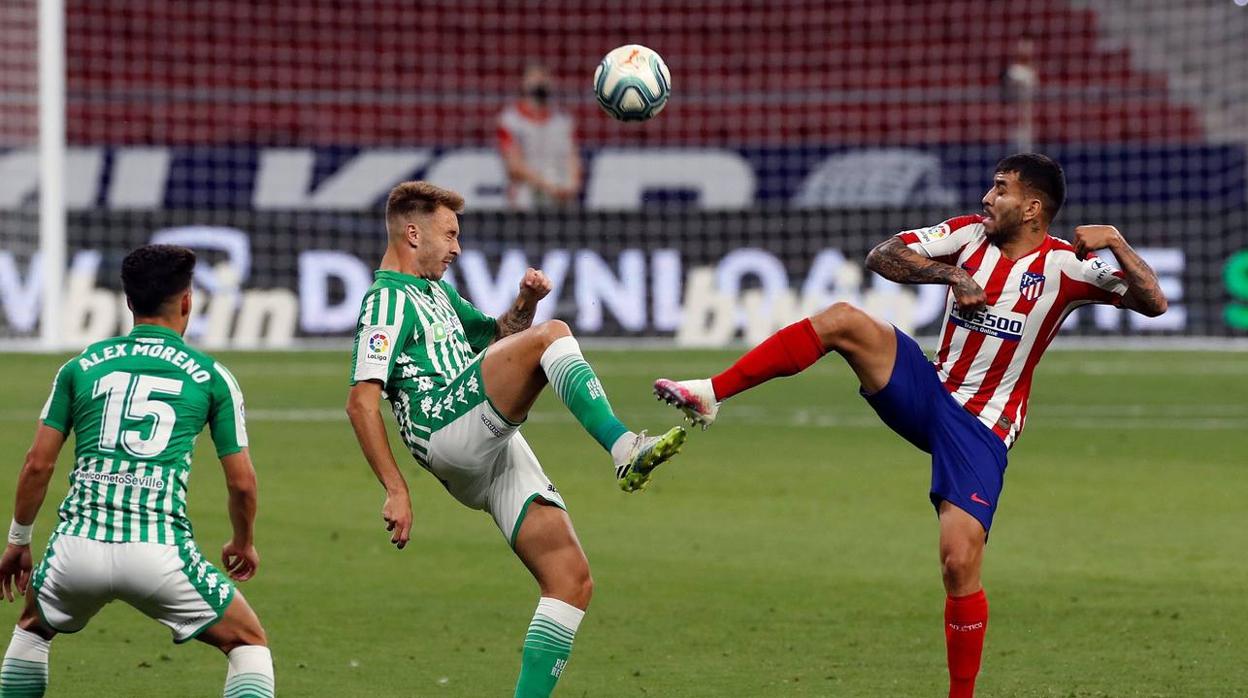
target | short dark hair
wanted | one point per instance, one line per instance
(420, 197)
(152, 274)
(1042, 175)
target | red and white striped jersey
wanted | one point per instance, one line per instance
(986, 359)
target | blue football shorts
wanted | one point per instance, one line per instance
(968, 459)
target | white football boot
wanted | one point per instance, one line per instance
(696, 398)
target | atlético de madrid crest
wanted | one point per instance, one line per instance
(1031, 285)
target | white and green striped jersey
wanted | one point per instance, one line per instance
(136, 404)
(414, 337)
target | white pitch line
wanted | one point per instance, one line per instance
(1047, 411)
(1185, 367)
(680, 370)
(808, 418)
(652, 370)
(304, 370)
(1206, 417)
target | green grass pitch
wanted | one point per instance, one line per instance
(790, 551)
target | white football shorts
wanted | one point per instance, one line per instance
(173, 584)
(485, 463)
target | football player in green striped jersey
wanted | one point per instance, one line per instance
(135, 404)
(460, 383)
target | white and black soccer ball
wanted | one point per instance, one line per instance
(632, 83)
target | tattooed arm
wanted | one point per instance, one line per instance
(1144, 293)
(519, 317)
(894, 261)
(533, 287)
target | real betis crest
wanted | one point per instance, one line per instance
(438, 331)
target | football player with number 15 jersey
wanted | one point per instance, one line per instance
(135, 404)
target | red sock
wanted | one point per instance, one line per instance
(789, 351)
(966, 619)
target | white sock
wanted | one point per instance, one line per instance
(705, 386)
(250, 673)
(561, 612)
(622, 447)
(564, 346)
(25, 668)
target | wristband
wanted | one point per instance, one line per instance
(19, 534)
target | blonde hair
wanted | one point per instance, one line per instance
(419, 197)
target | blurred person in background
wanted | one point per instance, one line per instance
(1021, 79)
(538, 146)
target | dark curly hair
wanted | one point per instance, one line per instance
(152, 274)
(1042, 176)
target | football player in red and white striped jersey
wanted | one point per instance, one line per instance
(1011, 285)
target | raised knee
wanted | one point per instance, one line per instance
(552, 330)
(836, 322)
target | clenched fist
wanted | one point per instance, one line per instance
(968, 293)
(1089, 238)
(535, 285)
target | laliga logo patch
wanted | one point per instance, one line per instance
(377, 347)
(933, 233)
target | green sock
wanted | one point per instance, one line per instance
(580, 390)
(546, 647)
(25, 670)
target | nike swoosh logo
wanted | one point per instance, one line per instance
(979, 500)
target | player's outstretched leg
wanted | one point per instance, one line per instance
(516, 369)
(868, 344)
(548, 546)
(966, 606)
(241, 638)
(25, 670)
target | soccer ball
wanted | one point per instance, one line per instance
(632, 83)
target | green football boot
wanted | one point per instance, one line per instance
(648, 453)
